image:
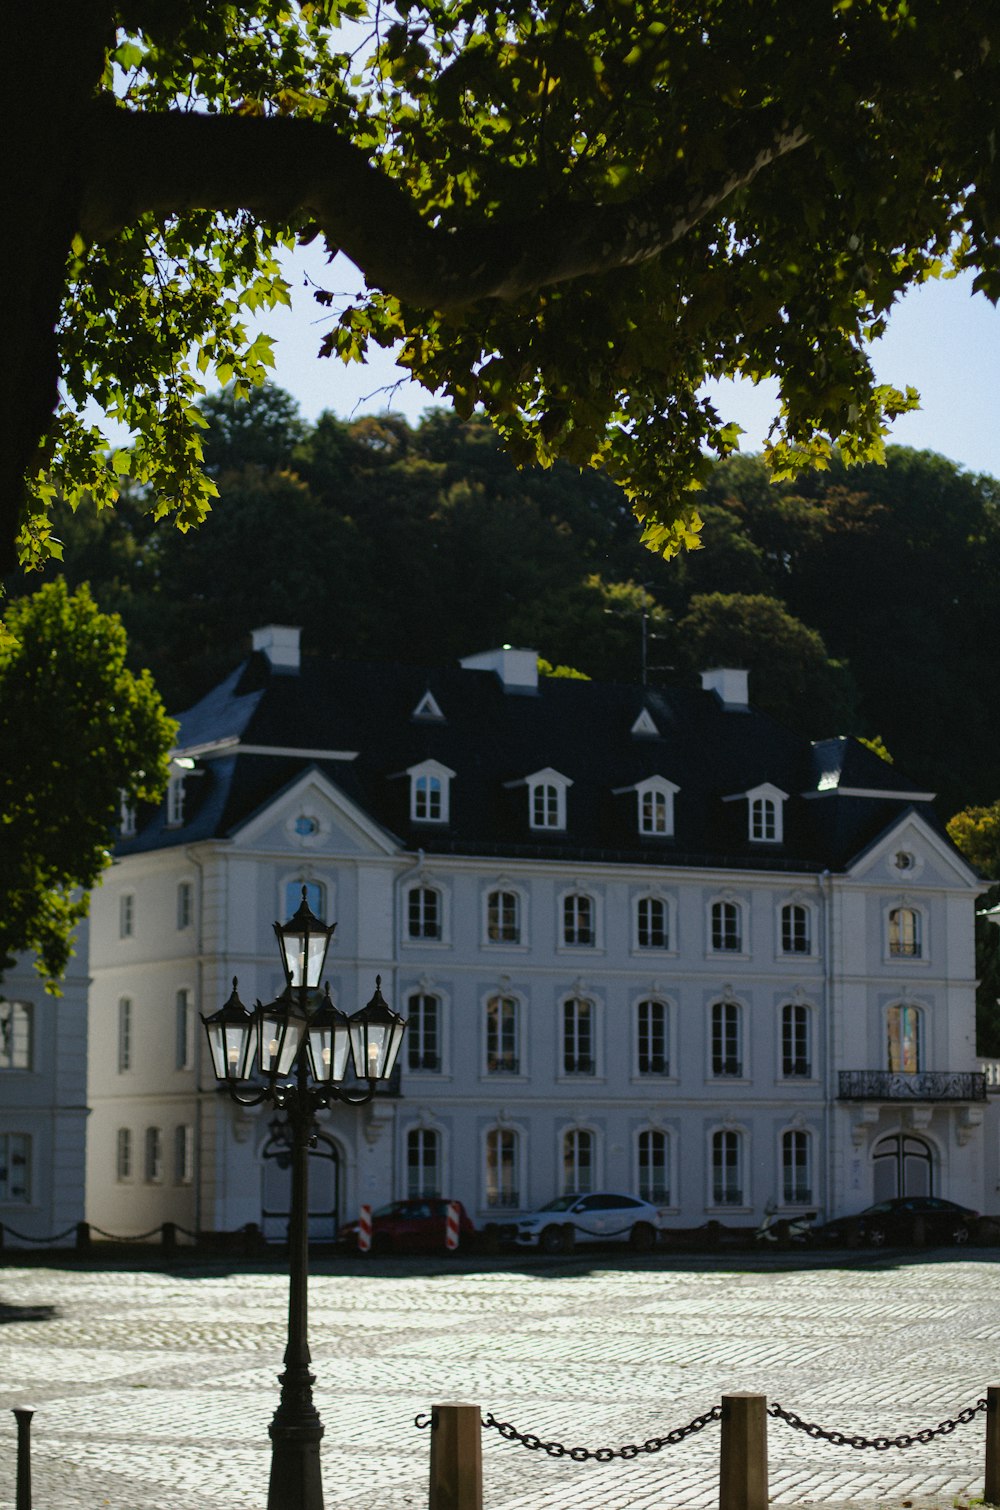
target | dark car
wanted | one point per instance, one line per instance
(907, 1219)
(416, 1225)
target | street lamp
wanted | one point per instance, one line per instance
(302, 1043)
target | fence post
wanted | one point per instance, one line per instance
(23, 1418)
(83, 1237)
(991, 1489)
(456, 1458)
(743, 1453)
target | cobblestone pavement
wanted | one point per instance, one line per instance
(153, 1391)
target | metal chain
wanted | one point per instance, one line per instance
(114, 1237)
(877, 1444)
(601, 1454)
(23, 1237)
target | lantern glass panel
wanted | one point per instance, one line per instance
(304, 956)
(279, 1038)
(328, 1044)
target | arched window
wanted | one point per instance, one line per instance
(423, 913)
(578, 1037)
(423, 1033)
(423, 1162)
(545, 805)
(653, 923)
(578, 1162)
(653, 813)
(796, 929)
(653, 1038)
(502, 1154)
(727, 1046)
(654, 1166)
(796, 1168)
(727, 927)
(503, 1046)
(796, 1049)
(902, 1164)
(905, 1050)
(503, 917)
(727, 1168)
(904, 933)
(578, 919)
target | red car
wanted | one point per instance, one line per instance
(416, 1225)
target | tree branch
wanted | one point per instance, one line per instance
(279, 169)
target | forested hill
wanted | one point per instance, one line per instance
(863, 600)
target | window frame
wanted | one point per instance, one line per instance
(647, 900)
(126, 915)
(667, 1071)
(515, 894)
(897, 952)
(184, 1151)
(430, 780)
(787, 930)
(18, 1056)
(547, 801)
(717, 929)
(424, 889)
(801, 1195)
(722, 1011)
(571, 1021)
(500, 1061)
(498, 1134)
(184, 1028)
(657, 1196)
(418, 1001)
(422, 1136)
(9, 1151)
(722, 1140)
(185, 905)
(919, 1038)
(766, 803)
(124, 1156)
(795, 1020)
(569, 903)
(153, 1156)
(572, 1142)
(126, 1034)
(655, 795)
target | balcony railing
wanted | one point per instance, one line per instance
(921, 1085)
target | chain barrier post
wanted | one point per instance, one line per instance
(365, 1229)
(168, 1237)
(451, 1227)
(23, 1418)
(991, 1489)
(456, 1458)
(83, 1237)
(743, 1453)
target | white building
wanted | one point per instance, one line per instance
(645, 940)
(43, 1102)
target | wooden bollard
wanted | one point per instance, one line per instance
(456, 1458)
(991, 1488)
(743, 1453)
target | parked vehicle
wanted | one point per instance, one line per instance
(785, 1230)
(907, 1219)
(602, 1217)
(416, 1225)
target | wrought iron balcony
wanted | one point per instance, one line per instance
(921, 1085)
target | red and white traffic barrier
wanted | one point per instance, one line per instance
(451, 1227)
(365, 1230)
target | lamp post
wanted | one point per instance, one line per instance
(302, 1044)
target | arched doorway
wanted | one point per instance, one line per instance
(903, 1165)
(276, 1185)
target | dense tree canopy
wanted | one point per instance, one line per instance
(976, 831)
(79, 734)
(569, 215)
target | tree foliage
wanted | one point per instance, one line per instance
(79, 733)
(976, 832)
(568, 216)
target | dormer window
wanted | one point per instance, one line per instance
(547, 799)
(175, 802)
(656, 807)
(765, 812)
(764, 819)
(430, 792)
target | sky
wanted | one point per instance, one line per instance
(942, 339)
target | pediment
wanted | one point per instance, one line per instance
(910, 854)
(312, 816)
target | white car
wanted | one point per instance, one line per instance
(602, 1217)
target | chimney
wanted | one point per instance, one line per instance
(730, 686)
(517, 669)
(280, 644)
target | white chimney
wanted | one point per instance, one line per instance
(517, 669)
(730, 686)
(280, 643)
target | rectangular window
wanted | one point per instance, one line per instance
(184, 1022)
(727, 1169)
(763, 818)
(796, 1170)
(654, 1058)
(422, 1177)
(653, 932)
(126, 915)
(904, 1039)
(183, 1154)
(726, 1056)
(503, 917)
(545, 805)
(578, 1162)
(727, 932)
(904, 933)
(175, 802)
(424, 913)
(423, 1051)
(15, 1168)
(124, 1034)
(654, 1170)
(795, 1057)
(501, 1169)
(154, 1155)
(123, 1153)
(653, 814)
(578, 919)
(796, 934)
(185, 904)
(578, 1037)
(502, 1036)
(15, 1035)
